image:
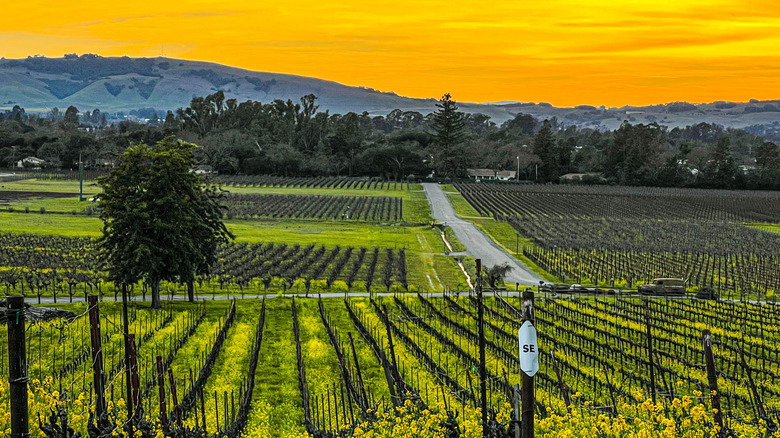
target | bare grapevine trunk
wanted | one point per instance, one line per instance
(156, 303)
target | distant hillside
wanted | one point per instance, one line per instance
(124, 84)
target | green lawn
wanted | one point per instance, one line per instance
(459, 203)
(57, 224)
(59, 186)
(66, 205)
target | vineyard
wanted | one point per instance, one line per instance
(64, 267)
(308, 367)
(325, 182)
(624, 236)
(365, 208)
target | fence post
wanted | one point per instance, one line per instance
(482, 367)
(131, 404)
(161, 386)
(97, 356)
(528, 394)
(174, 398)
(712, 378)
(17, 367)
(399, 389)
(134, 376)
(562, 386)
(650, 361)
(516, 409)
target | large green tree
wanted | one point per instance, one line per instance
(161, 221)
(449, 126)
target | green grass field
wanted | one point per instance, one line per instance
(459, 203)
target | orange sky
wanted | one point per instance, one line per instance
(566, 52)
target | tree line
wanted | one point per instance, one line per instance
(298, 139)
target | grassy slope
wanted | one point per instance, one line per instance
(501, 232)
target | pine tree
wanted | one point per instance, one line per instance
(544, 148)
(449, 126)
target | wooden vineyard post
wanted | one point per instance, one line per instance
(562, 386)
(161, 386)
(529, 364)
(399, 391)
(650, 362)
(482, 366)
(358, 371)
(174, 398)
(134, 376)
(97, 356)
(17, 367)
(712, 378)
(131, 404)
(516, 409)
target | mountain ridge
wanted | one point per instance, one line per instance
(115, 84)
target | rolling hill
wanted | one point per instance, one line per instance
(115, 84)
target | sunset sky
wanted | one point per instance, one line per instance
(564, 52)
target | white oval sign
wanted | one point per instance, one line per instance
(529, 349)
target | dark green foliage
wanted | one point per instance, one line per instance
(114, 90)
(496, 274)
(61, 88)
(211, 76)
(160, 220)
(71, 116)
(261, 85)
(633, 157)
(145, 89)
(678, 107)
(87, 67)
(449, 127)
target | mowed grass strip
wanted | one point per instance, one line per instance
(277, 408)
(232, 364)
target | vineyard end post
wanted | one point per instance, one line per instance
(527, 395)
(650, 354)
(482, 366)
(17, 367)
(128, 363)
(516, 409)
(712, 378)
(97, 356)
(161, 387)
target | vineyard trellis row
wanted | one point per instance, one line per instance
(601, 362)
(53, 266)
(321, 207)
(621, 237)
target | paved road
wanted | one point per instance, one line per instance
(477, 244)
